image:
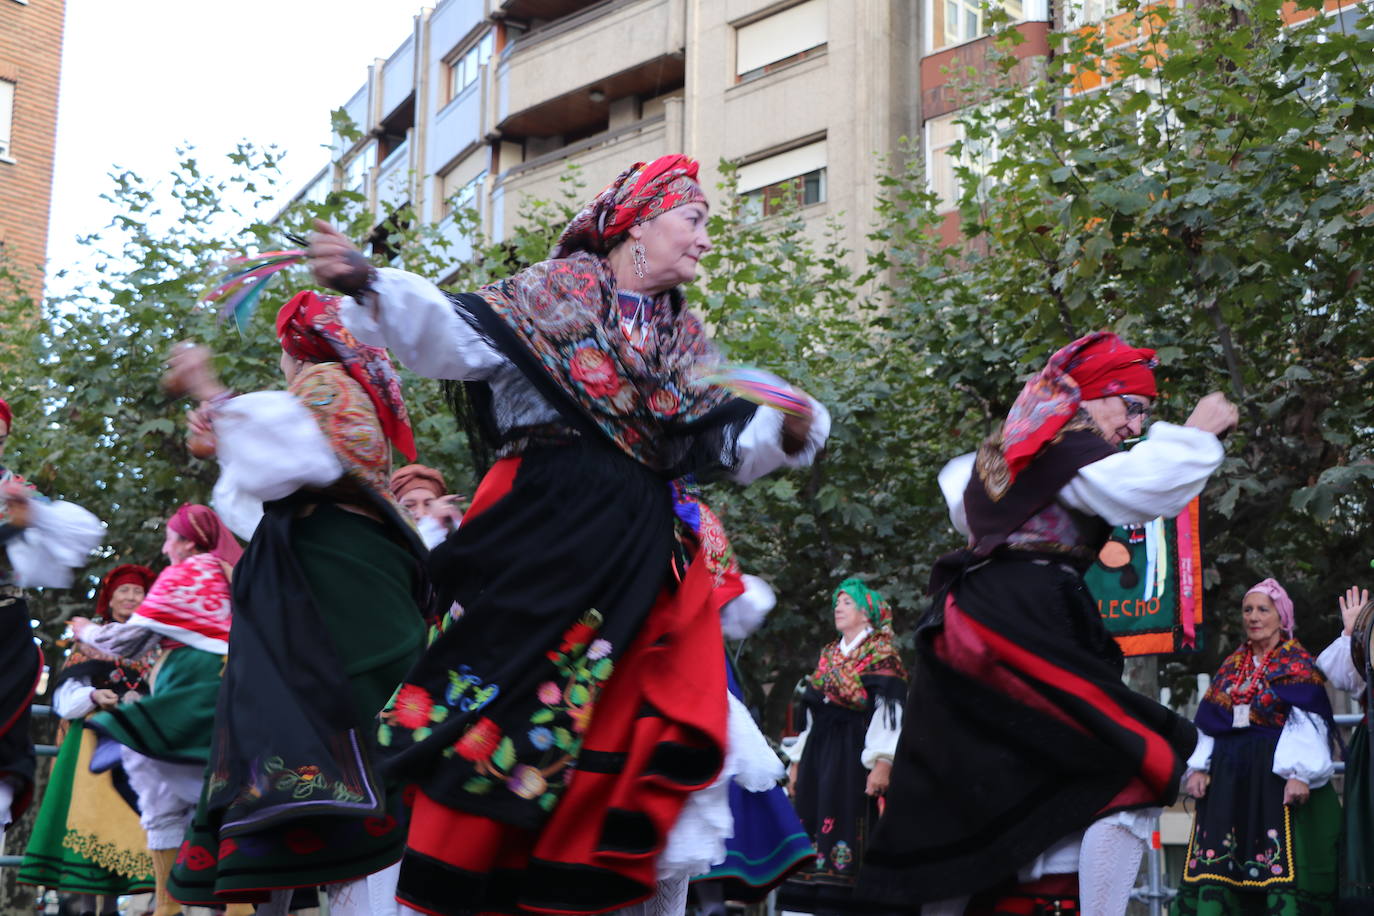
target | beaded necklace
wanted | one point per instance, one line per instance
(1251, 676)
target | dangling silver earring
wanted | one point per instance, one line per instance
(641, 262)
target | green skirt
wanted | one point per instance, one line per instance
(87, 839)
(1357, 835)
(176, 722)
(360, 580)
(1316, 827)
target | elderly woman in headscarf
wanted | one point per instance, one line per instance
(87, 839)
(1039, 741)
(543, 783)
(327, 620)
(45, 541)
(163, 740)
(842, 760)
(1267, 824)
(421, 491)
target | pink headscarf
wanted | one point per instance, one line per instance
(1282, 602)
(202, 526)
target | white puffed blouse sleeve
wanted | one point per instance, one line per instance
(269, 446)
(58, 539)
(759, 447)
(1201, 759)
(1335, 662)
(1304, 751)
(415, 320)
(880, 742)
(72, 699)
(1156, 478)
(794, 753)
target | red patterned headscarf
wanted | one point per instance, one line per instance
(5, 414)
(640, 193)
(1096, 366)
(127, 574)
(309, 329)
(203, 527)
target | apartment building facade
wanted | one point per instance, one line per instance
(488, 102)
(30, 67)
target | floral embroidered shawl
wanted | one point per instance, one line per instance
(189, 602)
(1291, 680)
(840, 676)
(564, 312)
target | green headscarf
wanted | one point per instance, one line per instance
(872, 603)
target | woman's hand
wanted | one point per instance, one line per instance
(105, 699)
(1214, 414)
(879, 777)
(792, 780)
(189, 372)
(201, 439)
(336, 262)
(1352, 602)
(1295, 792)
(447, 510)
(16, 497)
(79, 625)
(1196, 784)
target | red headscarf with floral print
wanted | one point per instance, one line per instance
(638, 194)
(1096, 366)
(310, 330)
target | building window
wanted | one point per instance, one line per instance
(794, 34)
(943, 166)
(957, 21)
(464, 69)
(6, 117)
(796, 178)
(458, 186)
(358, 172)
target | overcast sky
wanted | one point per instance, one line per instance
(141, 77)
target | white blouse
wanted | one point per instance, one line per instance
(880, 741)
(1335, 662)
(415, 320)
(1156, 478)
(269, 446)
(1303, 751)
(58, 539)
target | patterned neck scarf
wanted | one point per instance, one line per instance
(1096, 366)
(347, 417)
(565, 312)
(1291, 679)
(638, 194)
(840, 676)
(310, 330)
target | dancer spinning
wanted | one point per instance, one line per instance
(163, 740)
(327, 621)
(1038, 738)
(44, 542)
(87, 840)
(556, 729)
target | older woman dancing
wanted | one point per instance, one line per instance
(557, 728)
(1037, 740)
(327, 620)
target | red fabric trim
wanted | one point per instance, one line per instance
(960, 646)
(21, 707)
(677, 665)
(496, 483)
(1157, 765)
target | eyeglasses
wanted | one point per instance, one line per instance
(1135, 408)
